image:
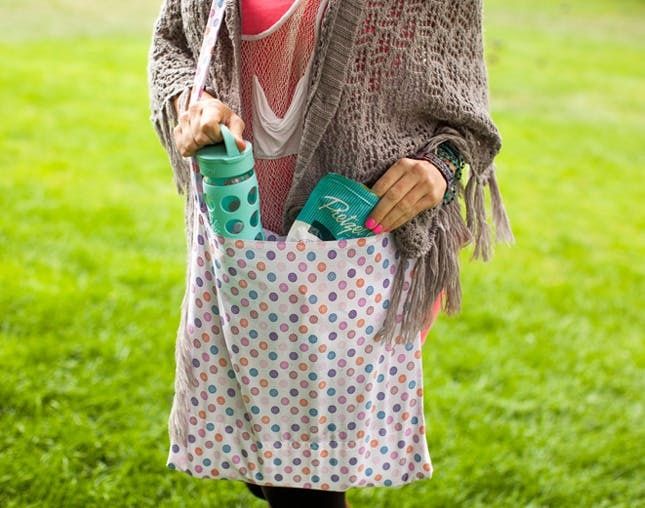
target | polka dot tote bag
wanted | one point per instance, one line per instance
(279, 380)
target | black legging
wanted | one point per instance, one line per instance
(281, 497)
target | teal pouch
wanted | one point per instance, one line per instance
(336, 209)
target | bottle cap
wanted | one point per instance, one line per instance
(224, 160)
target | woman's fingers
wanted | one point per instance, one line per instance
(393, 189)
(199, 123)
(407, 207)
(404, 206)
(427, 193)
(389, 178)
(406, 189)
(422, 204)
(200, 126)
(208, 122)
(236, 125)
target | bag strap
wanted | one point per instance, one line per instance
(215, 17)
(211, 32)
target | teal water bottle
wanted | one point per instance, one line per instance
(231, 188)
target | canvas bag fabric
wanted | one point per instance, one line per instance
(279, 380)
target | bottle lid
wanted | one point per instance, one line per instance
(224, 160)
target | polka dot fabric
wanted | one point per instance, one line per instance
(289, 387)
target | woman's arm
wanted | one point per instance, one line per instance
(171, 69)
(457, 82)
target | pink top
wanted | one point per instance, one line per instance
(278, 39)
(260, 15)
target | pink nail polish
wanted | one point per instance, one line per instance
(370, 223)
(378, 229)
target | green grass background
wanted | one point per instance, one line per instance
(534, 393)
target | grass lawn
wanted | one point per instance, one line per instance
(534, 393)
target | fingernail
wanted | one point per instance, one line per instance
(378, 229)
(370, 223)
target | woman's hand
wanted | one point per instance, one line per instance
(198, 126)
(407, 188)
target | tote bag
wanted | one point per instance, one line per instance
(279, 380)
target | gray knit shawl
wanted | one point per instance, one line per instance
(367, 107)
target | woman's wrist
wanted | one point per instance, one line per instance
(445, 171)
(449, 162)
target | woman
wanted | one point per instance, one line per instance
(393, 94)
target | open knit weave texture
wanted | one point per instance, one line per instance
(389, 78)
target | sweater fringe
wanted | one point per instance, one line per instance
(438, 268)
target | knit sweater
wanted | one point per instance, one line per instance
(389, 79)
